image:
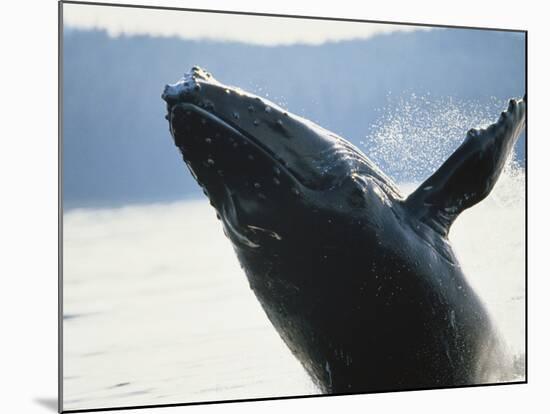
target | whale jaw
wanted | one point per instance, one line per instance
(256, 161)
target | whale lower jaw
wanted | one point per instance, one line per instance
(277, 161)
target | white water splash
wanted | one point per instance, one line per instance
(413, 138)
(416, 134)
(489, 240)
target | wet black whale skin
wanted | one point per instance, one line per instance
(360, 283)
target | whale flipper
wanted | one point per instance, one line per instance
(470, 173)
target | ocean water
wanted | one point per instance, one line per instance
(158, 311)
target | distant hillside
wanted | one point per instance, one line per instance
(117, 147)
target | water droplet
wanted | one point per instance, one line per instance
(256, 122)
(279, 122)
(250, 108)
(277, 170)
(267, 109)
(296, 191)
(210, 161)
(276, 181)
(197, 87)
(257, 185)
(236, 115)
(220, 173)
(208, 140)
(227, 91)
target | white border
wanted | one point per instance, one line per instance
(28, 223)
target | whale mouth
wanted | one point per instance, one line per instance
(242, 177)
(305, 151)
(217, 127)
(182, 114)
(211, 144)
(252, 158)
(239, 175)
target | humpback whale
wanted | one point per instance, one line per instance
(359, 281)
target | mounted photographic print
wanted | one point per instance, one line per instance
(261, 206)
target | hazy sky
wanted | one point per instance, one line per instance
(199, 25)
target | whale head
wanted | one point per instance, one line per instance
(264, 169)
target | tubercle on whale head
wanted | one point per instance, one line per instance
(189, 82)
(254, 159)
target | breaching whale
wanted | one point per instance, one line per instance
(360, 282)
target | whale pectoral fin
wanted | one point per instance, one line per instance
(470, 173)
